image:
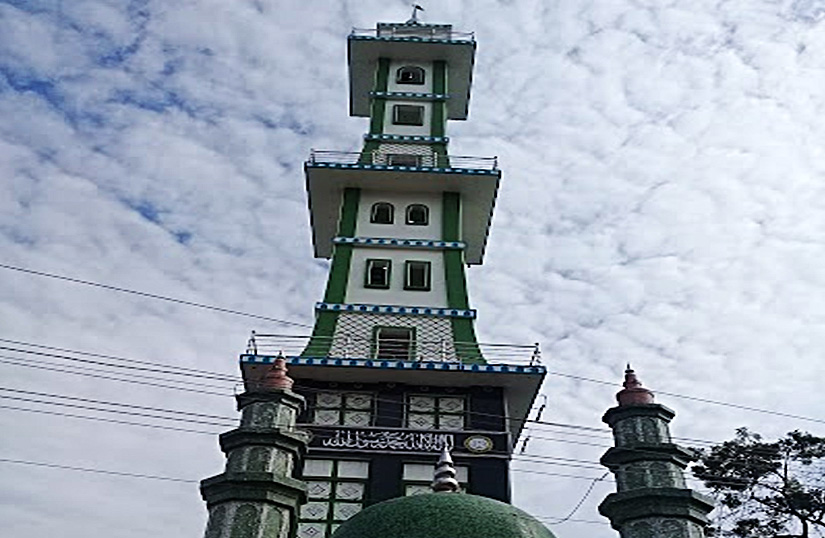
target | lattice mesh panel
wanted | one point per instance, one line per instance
(353, 336)
(426, 153)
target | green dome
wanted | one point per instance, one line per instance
(442, 515)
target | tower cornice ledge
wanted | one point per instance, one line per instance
(646, 503)
(264, 487)
(671, 452)
(615, 414)
(259, 395)
(293, 441)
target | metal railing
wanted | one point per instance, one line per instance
(419, 31)
(348, 346)
(402, 160)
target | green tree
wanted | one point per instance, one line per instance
(767, 489)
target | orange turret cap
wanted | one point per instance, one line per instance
(276, 377)
(633, 393)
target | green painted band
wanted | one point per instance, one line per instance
(466, 345)
(321, 340)
(379, 106)
(336, 291)
(438, 118)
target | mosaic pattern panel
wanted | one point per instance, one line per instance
(425, 152)
(353, 336)
(426, 412)
(343, 409)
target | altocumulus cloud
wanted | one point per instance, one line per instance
(662, 204)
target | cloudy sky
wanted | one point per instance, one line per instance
(662, 203)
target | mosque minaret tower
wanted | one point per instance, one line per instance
(392, 379)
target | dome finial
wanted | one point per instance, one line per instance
(445, 473)
(633, 393)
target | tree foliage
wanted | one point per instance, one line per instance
(767, 489)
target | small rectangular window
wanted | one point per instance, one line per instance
(417, 276)
(393, 343)
(378, 274)
(403, 159)
(408, 114)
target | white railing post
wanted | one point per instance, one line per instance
(443, 350)
(346, 346)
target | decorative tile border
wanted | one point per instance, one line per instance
(407, 138)
(391, 242)
(411, 95)
(359, 166)
(415, 39)
(401, 310)
(398, 364)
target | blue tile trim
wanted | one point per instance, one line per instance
(393, 242)
(407, 138)
(411, 95)
(398, 310)
(398, 365)
(465, 41)
(414, 24)
(359, 166)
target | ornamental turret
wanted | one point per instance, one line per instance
(652, 499)
(258, 494)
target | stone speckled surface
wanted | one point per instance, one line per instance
(442, 515)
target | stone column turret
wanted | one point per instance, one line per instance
(257, 496)
(652, 500)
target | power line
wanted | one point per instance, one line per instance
(152, 296)
(118, 404)
(109, 420)
(99, 471)
(541, 423)
(218, 375)
(583, 498)
(226, 377)
(20, 362)
(123, 474)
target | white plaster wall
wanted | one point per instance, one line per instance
(427, 87)
(399, 230)
(396, 294)
(420, 130)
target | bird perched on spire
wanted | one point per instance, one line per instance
(414, 17)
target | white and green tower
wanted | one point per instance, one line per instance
(392, 372)
(401, 218)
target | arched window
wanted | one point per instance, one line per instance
(409, 74)
(418, 215)
(381, 213)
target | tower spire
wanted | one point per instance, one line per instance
(444, 479)
(633, 393)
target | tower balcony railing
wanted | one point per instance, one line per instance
(420, 350)
(402, 161)
(417, 31)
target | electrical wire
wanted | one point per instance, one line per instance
(152, 296)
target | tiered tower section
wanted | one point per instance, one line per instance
(402, 217)
(652, 499)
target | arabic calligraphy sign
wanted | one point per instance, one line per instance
(389, 440)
